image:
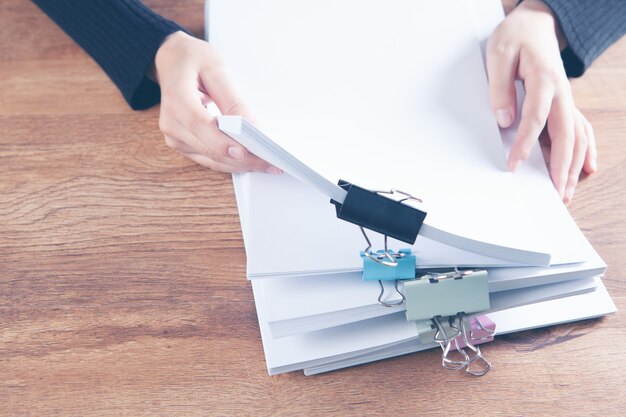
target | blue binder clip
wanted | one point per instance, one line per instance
(376, 265)
(447, 299)
(387, 265)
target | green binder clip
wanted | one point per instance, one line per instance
(440, 303)
(446, 294)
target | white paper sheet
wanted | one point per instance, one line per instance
(384, 106)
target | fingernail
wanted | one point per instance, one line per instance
(504, 117)
(273, 171)
(514, 164)
(561, 191)
(569, 194)
(236, 153)
(594, 166)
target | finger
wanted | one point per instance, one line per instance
(198, 129)
(561, 131)
(578, 158)
(591, 164)
(210, 163)
(178, 145)
(502, 62)
(190, 122)
(216, 146)
(222, 167)
(222, 91)
(204, 98)
(539, 94)
(176, 121)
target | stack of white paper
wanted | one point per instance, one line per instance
(387, 96)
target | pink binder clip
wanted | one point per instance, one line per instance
(482, 331)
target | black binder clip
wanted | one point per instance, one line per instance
(374, 211)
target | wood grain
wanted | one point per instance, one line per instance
(122, 268)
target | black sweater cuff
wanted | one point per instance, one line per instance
(590, 26)
(122, 36)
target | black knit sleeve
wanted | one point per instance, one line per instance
(123, 37)
(590, 26)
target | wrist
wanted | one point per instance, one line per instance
(170, 45)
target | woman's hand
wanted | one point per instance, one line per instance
(525, 46)
(191, 75)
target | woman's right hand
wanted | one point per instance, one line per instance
(525, 46)
(191, 75)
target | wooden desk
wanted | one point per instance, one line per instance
(122, 277)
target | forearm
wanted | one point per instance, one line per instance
(122, 36)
